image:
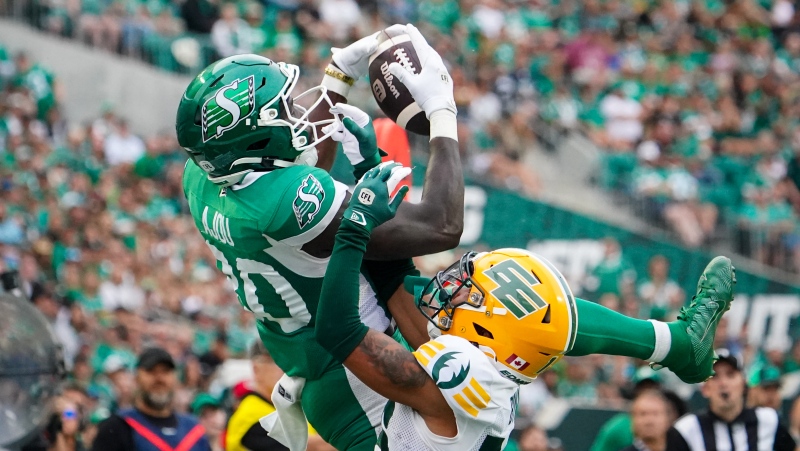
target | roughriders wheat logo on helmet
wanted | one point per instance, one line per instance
(229, 105)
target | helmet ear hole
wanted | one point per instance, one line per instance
(259, 145)
(198, 116)
(546, 319)
(482, 331)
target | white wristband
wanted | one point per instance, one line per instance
(335, 85)
(444, 124)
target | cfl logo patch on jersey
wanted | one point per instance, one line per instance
(366, 196)
(515, 288)
(308, 201)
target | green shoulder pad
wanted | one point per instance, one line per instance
(308, 201)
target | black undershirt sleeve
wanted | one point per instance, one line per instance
(387, 276)
(256, 438)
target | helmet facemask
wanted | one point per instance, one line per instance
(306, 134)
(440, 298)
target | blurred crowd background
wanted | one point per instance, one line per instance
(693, 104)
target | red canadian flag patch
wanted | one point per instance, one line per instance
(517, 362)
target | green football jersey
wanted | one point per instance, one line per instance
(256, 230)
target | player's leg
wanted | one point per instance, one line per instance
(684, 346)
(604, 331)
(343, 410)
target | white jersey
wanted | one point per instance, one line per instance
(483, 401)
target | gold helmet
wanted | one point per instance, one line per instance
(518, 309)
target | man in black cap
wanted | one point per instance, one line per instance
(152, 424)
(728, 425)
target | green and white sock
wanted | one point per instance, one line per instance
(604, 331)
(663, 341)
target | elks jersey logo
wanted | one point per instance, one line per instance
(515, 288)
(229, 105)
(441, 370)
(308, 201)
(449, 372)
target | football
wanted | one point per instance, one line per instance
(392, 96)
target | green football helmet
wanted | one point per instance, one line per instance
(239, 116)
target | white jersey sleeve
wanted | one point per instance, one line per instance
(482, 400)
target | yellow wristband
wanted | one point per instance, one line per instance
(339, 75)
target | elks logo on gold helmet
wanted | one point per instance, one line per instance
(515, 288)
(227, 107)
(518, 309)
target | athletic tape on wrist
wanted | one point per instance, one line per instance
(335, 85)
(663, 341)
(444, 124)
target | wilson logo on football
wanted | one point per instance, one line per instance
(388, 78)
(229, 105)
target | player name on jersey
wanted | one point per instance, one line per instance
(220, 228)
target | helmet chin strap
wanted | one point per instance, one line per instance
(308, 157)
(433, 331)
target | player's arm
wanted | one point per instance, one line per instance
(377, 360)
(410, 321)
(388, 278)
(347, 65)
(326, 150)
(435, 224)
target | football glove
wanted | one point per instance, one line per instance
(353, 60)
(357, 135)
(432, 88)
(371, 205)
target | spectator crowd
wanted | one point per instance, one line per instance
(693, 104)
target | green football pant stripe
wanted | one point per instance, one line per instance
(336, 413)
(604, 331)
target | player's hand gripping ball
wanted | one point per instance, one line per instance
(401, 102)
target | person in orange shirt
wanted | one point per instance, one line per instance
(393, 140)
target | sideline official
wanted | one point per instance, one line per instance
(728, 426)
(152, 424)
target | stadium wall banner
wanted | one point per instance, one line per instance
(767, 309)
